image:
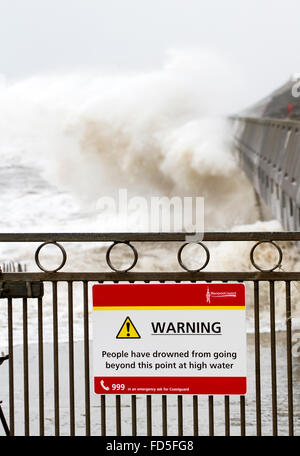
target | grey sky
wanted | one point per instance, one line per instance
(40, 36)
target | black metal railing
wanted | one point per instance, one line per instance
(46, 387)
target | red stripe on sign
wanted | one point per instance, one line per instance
(156, 295)
(171, 385)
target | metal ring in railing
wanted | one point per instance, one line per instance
(184, 266)
(108, 260)
(64, 255)
(277, 265)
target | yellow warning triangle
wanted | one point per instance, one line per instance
(128, 330)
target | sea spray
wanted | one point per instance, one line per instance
(68, 140)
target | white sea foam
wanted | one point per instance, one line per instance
(154, 133)
(67, 140)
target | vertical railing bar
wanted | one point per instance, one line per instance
(227, 416)
(195, 416)
(55, 359)
(243, 411)
(243, 415)
(118, 416)
(41, 366)
(103, 415)
(25, 367)
(71, 359)
(289, 358)
(273, 358)
(180, 415)
(133, 415)
(87, 359)
(164, 410)
(149, 415)
(11, 368)
(211, 416)
(257, 357)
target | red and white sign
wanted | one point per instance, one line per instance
(169, 339)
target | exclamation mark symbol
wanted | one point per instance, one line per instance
(128, 329)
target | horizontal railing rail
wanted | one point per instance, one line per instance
(267, 121)
(149, 237)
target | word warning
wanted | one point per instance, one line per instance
(169, 339)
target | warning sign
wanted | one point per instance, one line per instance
(128, 330)
(169, 339)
